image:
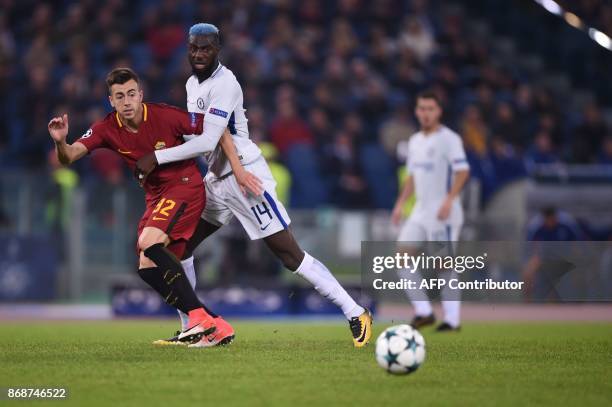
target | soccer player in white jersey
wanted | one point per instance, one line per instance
(214, 91)
(437, 170)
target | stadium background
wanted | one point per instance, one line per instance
(329, 88)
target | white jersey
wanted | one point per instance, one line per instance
(220, 98)
(432, 160)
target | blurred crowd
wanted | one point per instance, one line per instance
(330, 84)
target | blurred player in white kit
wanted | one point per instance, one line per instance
(437, 171)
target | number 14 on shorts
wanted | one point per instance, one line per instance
(259, 211)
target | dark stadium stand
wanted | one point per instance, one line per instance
(321, 58)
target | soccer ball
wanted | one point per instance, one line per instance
(400, 349)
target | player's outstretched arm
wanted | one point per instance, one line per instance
(247, 181)
(66, 153)
(405, 194)
(205, 142)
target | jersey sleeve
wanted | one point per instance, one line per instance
(456, 154)
(409, 154)
(94, 137)
(224, 98)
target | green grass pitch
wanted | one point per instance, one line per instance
(310, 364)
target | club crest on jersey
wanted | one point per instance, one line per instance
(159, 145)
(200, 103)
(218, 112)
(87, 134)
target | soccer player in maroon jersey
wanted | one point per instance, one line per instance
(174, 193)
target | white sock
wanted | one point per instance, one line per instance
(326, 284)
(451, 302)
(189, 270)
(452, 313)
(422, 308)
(418, 297)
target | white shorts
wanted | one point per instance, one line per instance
(431, 231)
(260, 216)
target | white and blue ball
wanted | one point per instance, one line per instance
(400, 349)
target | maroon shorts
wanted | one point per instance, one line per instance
(176, 211)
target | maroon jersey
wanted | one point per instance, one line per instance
(162, 126)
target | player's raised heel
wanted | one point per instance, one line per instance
(361, 328)
(224, 335)
(226, 341)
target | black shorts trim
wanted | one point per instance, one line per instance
(176, 217)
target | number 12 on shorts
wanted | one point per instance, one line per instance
(260, 210)
(164, 206)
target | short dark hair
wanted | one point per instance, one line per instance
(430, 94)
(120, 76)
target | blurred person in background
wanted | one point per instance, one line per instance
(485, 97)
(508, 127)
(107, 174)
(336, 79)
(589, 135)
(542, 151)
(605, 153)
(550, 123)
(374, 107)
(343, 38)
(475, 131)
(349, 189)
(437, 172)
(58, 209)
(417, 38)
(545, 265)
(320, 126)
(397, 128)
(288, 128)
(36, 103)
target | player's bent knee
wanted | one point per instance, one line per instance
(151, 235)
(145, 241)
(145, 262)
